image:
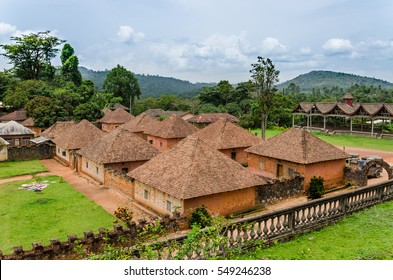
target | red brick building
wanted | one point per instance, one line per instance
(298, 151)
(113, 119)
(140, 124)
(229, 138)
(193, 174)
(120, 150)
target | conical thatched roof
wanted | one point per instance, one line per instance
(117, 116)
(212, 117)
(172, 127)
(224, 134)
(14, 128)
(78, 136)
(299, 146)
(140, 123)
(19, 115)
(120, 145)
(193, 169)
(28, 122)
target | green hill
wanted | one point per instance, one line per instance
(150, 85)
(329, 79)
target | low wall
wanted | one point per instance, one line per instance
(278, 190)
(43, 151)
(355, 177)
(118, 181)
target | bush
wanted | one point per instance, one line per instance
(316, 189)
(201, 217)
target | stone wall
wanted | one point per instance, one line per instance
(355, 177)
(278, 190)
(43, 151)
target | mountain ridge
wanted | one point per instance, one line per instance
(322, 78)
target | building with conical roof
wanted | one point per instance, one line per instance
(30, 124)
(298, 151)
(169, 132)
(56, 129)
(113, 119)
(120, 150)
(203, 120)
(140, 124)
(74, 138)
(192, 174)
(17, 116)
(228, 138)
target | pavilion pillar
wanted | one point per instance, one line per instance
(324, 122)
(351, 126)
(293, 120)
(361, 124)
(310, 122)
(372, 127)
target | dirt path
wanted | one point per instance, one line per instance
(24, 177)
(109, 199)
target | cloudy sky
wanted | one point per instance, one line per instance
(213, 40)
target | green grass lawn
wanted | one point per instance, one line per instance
(365, 235)
(10, 169)
(57, 211)
(342, 140)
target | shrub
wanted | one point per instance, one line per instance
(201, 217)
(316, 189)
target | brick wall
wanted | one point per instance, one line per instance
(118, 181)
(241, 155)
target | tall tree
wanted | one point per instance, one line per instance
(122, 83)
(264, 76)
(70, 63)
(31, 55)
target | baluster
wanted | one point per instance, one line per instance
(319, 212)
(231, 239)
(314, 213)
(303, 216)
(265, 229)
(238, 237)
(297, 219)
(259, 231)
(245, 234)
(272, 227)
(278, 225)
(285, 223)
(309, 214)
(252, 233)
(325, 212)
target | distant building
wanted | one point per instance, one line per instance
(113, 119)
(16, 134)
(159, 113)
(169, 132)
(30, 124)
(298, 151)
(203, 120)
(228, 138)
(56, 130)
(17, 116)
(120, 150)
(192, 174)
(140, 124)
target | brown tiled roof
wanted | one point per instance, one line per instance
(28, 122)
(120, 145)
(14, 128)
(299, 146)
(224, 134)
(140, 123)
(117, 116)
(372, 108)
(176, 113)
(155, 112)
(17, 116)
(389, 108)
(56, 129)
(78, 136)
(348, 96)
(325, 107)
(303, 106)
(172, 127)
(211, 118)
(194, 169)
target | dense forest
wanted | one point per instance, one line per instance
(51, 94)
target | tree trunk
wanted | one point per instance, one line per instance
(263, 125)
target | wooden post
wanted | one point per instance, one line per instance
(324, 122)
(372, 127)
(351, 126)
(293, 120)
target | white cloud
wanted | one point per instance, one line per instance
(338, 46)
(6, 28)
(126, 34)
(273, 46)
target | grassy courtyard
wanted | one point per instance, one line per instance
(10, 169)
(365, 235)
(58, 210)
(342, 140)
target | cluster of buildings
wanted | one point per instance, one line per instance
(180, 162)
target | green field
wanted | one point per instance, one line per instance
(366, 235)
(342, 140)
(57, 211)
(10, 169)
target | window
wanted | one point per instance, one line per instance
(97, 170)
(58, 150)
(262, 165)
(146, 194)
(233, 154)
(124, 170)
(17, 142)
(87, 164)
(63, 153)
(168, 206)
(291, 171)
(160, 144)
(151, 142)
